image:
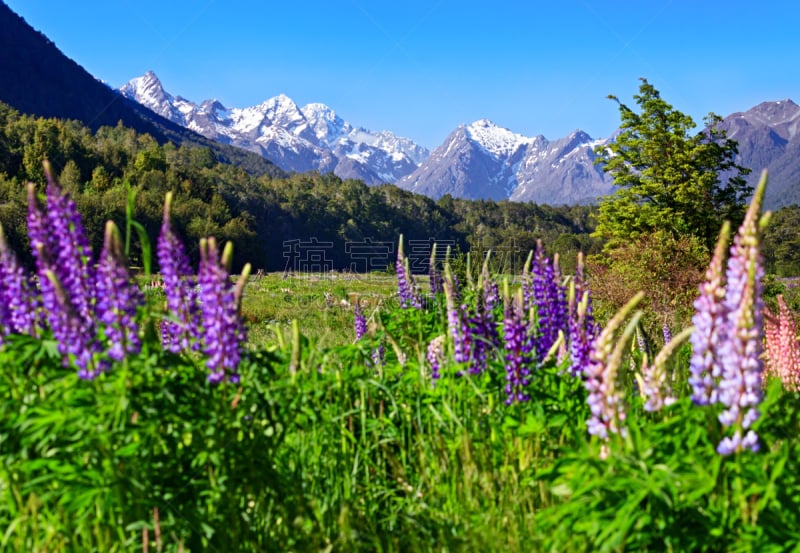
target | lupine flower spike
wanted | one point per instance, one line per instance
(223, 330)
(710, 327)
(605, 400)
(491, 292)
(456, 321)
(582, 328)
(76, 343)
(18, 300)
(519, 346)
(118, 298)
(65, 310)
(740, 385)
(407, 288)
(70, 250)
(782, 348)
(180, 330)
(435, 356)
(484, 336)
(359, 321)
(548, 297)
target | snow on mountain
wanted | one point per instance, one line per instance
(562, 171)
(497, 141)
(312, 137)
(326, 125)
(147, 90)
(484, 160)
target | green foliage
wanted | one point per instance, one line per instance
(781, 245)
(666, 489)
(669, 179)
(666, 268)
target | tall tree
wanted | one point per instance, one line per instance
(668, 178)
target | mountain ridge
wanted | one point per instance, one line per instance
(308, 138)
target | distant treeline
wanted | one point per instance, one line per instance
(303, 221)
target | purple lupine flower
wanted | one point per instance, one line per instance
(223, 332)
(710, 323)
(483, 337)
(74, 332)
(519, 347)
(490, 289)
(667, 332)
(549, 299)
(72, 255)
(118, 298)
(641, 342)
(360, 322)
(407, 287)
(19, 302)
(360, 326)
(179, 332)
(582, 333)
(582, 328)
(740, 384)
(59, 243)
(435, 355)
(77, 343)
(456, 323)
(378, 355)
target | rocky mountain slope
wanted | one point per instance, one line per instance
(768, 138)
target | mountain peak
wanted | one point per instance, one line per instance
(496, 140)
(279, 100)
(148, 81)
(148, 91)
(150, 75)
(483, 123)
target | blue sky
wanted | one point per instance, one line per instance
(421, 68)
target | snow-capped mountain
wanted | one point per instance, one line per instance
(300, 139)
(483, 160)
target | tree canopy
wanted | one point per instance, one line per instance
(669, 178)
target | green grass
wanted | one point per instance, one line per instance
(322, 304)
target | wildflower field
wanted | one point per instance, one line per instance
(462, 411)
